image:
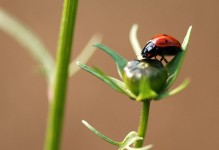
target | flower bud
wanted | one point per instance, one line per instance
(140, 73)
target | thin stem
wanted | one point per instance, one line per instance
(143, 123)
(56, 111)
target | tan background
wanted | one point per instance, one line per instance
(186, 121)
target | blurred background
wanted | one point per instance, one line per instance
(188, 120)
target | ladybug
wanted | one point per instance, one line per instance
(161, 45)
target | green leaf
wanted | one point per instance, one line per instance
(176, 90)
(131, 138)
(123, 87)
(100, 134)
(112, 82)
(85, 54)
(119, 60)
(146, 92)
(148, 147)
(134, 41)
(173, 67)
(24, 36)
(98, 75)
(180, 87)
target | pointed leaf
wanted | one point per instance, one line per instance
(174, 65)
(148, 147)
(146, 93)
(176, 90)
(99, 75)
(180, 87)
(131, 138)
(100, 134)
(123, 87)
(29, 40)
(112, 82)
(119, 60)
(134, 41)
(85, 54)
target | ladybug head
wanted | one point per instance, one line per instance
(148, 50)
(149, 55)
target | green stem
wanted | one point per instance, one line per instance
(143, 123)
(56, 111)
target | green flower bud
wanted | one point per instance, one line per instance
(149, 73)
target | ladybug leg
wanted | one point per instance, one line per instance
(166, 61)
(155, 57)
(163, 58)
(156, 53)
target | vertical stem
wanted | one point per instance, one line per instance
(57, 105)
(143, 123)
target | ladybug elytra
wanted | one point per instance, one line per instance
(161, 45)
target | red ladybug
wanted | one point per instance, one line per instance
(161, 45)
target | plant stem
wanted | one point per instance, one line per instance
(57, 105)
(143, 123)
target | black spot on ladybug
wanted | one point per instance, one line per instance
(166, 41)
